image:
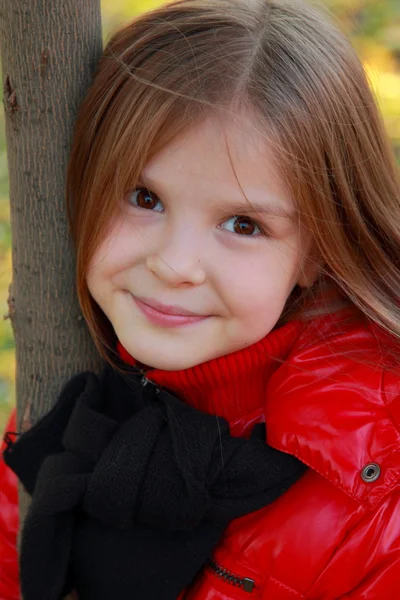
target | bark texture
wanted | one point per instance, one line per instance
(49, 49)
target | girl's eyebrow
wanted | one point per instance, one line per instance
(264, 208)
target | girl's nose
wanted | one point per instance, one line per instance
(182, 271)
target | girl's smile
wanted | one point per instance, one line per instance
(167, 316)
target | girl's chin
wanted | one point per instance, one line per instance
(159, 357)
(169, 349)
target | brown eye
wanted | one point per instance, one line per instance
(242, 226)
(143, 198)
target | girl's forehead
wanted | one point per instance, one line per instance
(229, 154)
(216, 138)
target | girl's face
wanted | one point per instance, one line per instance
(205, 252)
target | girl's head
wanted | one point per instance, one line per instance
(229, 161)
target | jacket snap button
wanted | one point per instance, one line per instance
(370, 472)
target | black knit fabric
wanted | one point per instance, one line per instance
(132, 489)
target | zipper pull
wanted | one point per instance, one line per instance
(248, 584)
(245, 583)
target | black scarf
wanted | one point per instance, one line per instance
(132, 489)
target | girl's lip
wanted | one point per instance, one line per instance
(167, 309)
(167, 319)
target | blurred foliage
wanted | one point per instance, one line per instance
(375, 31)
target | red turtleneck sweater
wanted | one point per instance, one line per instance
(231, 386)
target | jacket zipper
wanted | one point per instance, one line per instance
(244, 583)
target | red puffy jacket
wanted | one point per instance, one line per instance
(9, 586)
(336, 532)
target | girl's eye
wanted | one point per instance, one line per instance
(143, 198)
(242, 225)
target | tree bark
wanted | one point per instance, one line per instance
(49, 49)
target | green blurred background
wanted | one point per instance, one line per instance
(375, 30)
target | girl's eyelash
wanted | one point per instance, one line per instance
(154, 197)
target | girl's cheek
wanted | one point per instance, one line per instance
(255, 285)
(123, 245)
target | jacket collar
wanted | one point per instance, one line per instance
(329, 405)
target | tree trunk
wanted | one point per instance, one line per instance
(49, 49)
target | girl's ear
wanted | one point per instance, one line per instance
(310, 270)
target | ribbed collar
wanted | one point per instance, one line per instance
(230, 386)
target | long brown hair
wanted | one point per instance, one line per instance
(301, 80)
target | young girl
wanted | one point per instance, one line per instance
(235, 208)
